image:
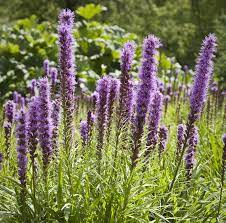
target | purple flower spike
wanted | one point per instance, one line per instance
(53, 76)
(163, 136)
(203, 74)
(9, 115)
(45, 121)
(180, 138)
(66, 18)
(126, 86)
(32, 127)
(111, 100)
(103, 91)
(22, 150)
(84, 132)
(46, 67)
(153, 121)
(190, 154)
(94, 99)
(148, 83)
(31, 87)
(67, 73)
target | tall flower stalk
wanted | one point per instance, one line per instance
(126, 85)
(180, 139)
(163, 136)
(203, 74)
(45, 130)
(153, 122)
(21, 130)
(147, 85)
(32, 137)
(67, 74)
(9, 115)
(111, 103)
(190, 153)
(101, 111)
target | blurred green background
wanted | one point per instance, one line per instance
(28, 35)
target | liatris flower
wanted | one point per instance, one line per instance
(84, 132)
(21, 127)
(163, 135)
(55, 115)
(160, 85)
(190, 155)
(94, 100)
(180, 138)
(148, 83)
(90, 121)
(203, 73)
(126, 86)
(32, 128)
(169, 90)
(66, 18)
(46, 67)
(67, 72)
(53, 76)
(1, 160)
(15, 97)
(45, 121)
(166, 102)
(111, 100)
(153, 122)
(32, 87)
(103, 91)
(9, 115)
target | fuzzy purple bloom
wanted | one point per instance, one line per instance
(160, 86)
(148, 83)
(94, 97)
(111, 100)
(53, 76)
(84, 131)
(180, 138)
(15, 97)
(32, 127)
(45, 121)
(22, 150)
(9, 116)
(31, 87)
(163, 136)
(190, 153)
(46, 67)
(67, 72)
(55, 121)
(203, 74)
(66, 18)
(103, 91)
(126, 86)
(154, 120)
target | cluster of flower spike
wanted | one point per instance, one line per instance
(38, 117)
